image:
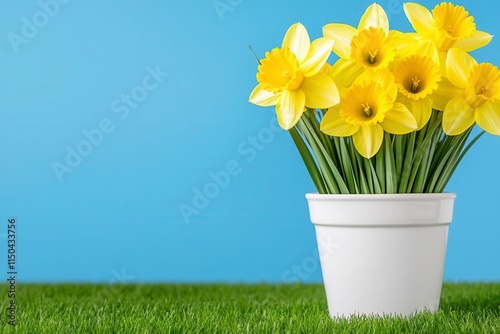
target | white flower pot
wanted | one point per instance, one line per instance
(382, 254)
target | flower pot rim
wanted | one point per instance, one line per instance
(381, 197)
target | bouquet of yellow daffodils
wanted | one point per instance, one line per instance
(394, 113)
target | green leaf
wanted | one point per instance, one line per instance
(390, 166)
(408, 162)
(457, 156)
(380, 168)
(308, 159)
(399, 155)
(365, 163)
(334, 180)
(348, 168)
(421, 161)
(423, 147)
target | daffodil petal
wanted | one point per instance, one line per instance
(368, 140)
(428, 49)
(297, 40)
(445, 92)
(376, 17)
(320, 91)
(442, 62)
(399, 120)
(421, 109)
(458, 116)
(342, 34)
(319, 52)
(344, 72)
(383, 78)
(403, 41)
(262, 97)
(420, 18)
(476, 41)
(334, 125)
(386, 79)
(290, 108)
(458, 67)
(488, 117)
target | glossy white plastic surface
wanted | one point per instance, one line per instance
(382, 254)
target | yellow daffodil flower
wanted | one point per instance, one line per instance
(417, 76)
(370, 46)
(448, 26)
(292, 77)
(366, 110)
(480, 101)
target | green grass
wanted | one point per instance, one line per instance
(73, 308)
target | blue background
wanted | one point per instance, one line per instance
(117, 215)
